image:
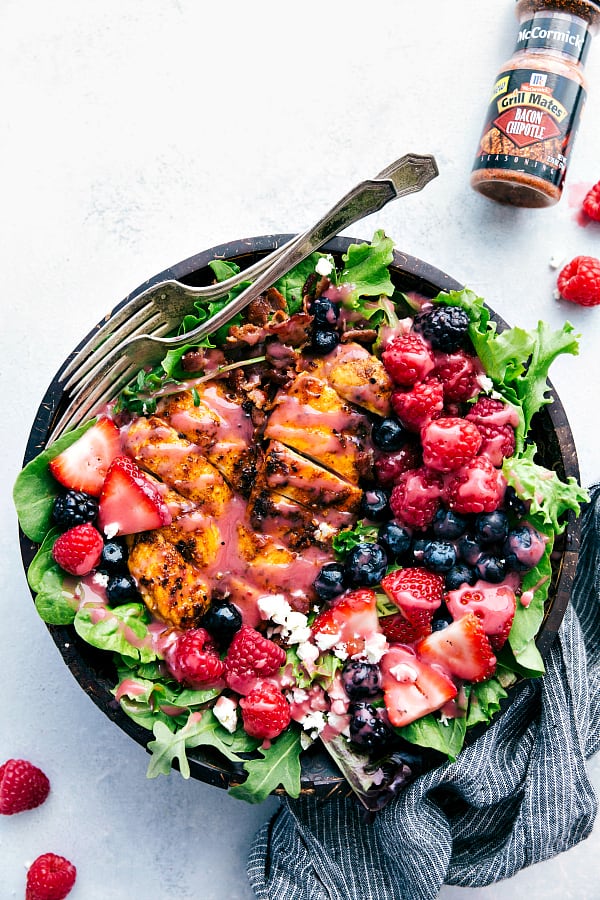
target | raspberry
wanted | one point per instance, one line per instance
(389, 466)
(445, 327)
(449, 442)
(458, 373)
(476, 487)
(79, 549)
(496, 422)
(265, 712)
(579, 281)
(418, 405)
(407, 359)
(50, 877)
(250, 658)
(22, 786)
(193, 659)
(416, 497)
(591, 202)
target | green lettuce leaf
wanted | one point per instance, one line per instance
(484, 701)
(122, 630)
(431, 731)
(291, 285)
(366, 268)
(279, 765)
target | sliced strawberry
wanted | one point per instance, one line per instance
(129, 501)
(493, 604)
(398, 630)
(462, 650)
(411, 687)
(350, 621)
(83, 465)
(416, 592)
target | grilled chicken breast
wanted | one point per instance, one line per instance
(355, 375)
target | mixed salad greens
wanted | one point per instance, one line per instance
(182, 718)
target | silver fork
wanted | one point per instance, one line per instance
(134, 337)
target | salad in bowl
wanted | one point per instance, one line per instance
(329, 527)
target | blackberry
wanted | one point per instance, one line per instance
(367, 728)
(223, 620)
(375, 505)
(445, 327)
(330, 582)
(389, 435)
(121, 588)
(324, 342)
(365, 565)
(361, 679)
(74, 508)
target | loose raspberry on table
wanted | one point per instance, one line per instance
(251, 656)
(579, 281)
(419, 404)
(194, 660)
(476, 487)
(591, 202)
(50, 877)
(416, 497)
(23, 786)
(265, 712)
(79, 549)
(449, 442)
(458, 373)
(407, 359)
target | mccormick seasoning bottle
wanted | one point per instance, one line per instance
(535, 105)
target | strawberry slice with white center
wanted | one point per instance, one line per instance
(411, 687)
(493, 604)
(349, 623)
(416, 592)
(130, 502)
(462, 650)
(83, 465)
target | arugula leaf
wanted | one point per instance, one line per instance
(147, 701)
(430, 731)
(121, 630)
(35, 488)
(278, 765)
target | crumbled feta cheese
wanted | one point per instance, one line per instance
(485, 383)
(101, 579)
(225, 710)
(307, 652)
(341, 652)
(299, 695)
(111, 530)
(326, 641)
(324, 266)
(556, 260)
(375, 646)
(273, 606)
(296, 628)
(324, 531)
(314, 722)
(404, 673)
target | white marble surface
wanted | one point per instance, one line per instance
(136, 134)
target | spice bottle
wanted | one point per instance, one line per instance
(536, 103)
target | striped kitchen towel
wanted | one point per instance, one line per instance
(518, 795)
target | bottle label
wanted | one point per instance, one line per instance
(544, 32)
(531, 124)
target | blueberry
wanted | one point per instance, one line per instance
(375, 504)
(389, 435)
(458, 575)
(492, 527)
(439, 556)
(367, 728)
(114, 555)
(74, 508)
(491, 568)
(441, 619)
(222, 620)
(513, 502)
(445, 327)
(365, 565)
(324, 342)
(468, 548)
(418, 549)
(121, 588)
(448, 524)
(325, 312)
(523, 548)
(330, 582)
(361, 679)
(395, 539)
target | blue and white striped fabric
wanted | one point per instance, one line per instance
(520, 793)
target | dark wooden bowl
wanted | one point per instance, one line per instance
(93, 668)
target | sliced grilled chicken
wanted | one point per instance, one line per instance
(310, 416)
(158, 449)
(356, 375)
(296, 526)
